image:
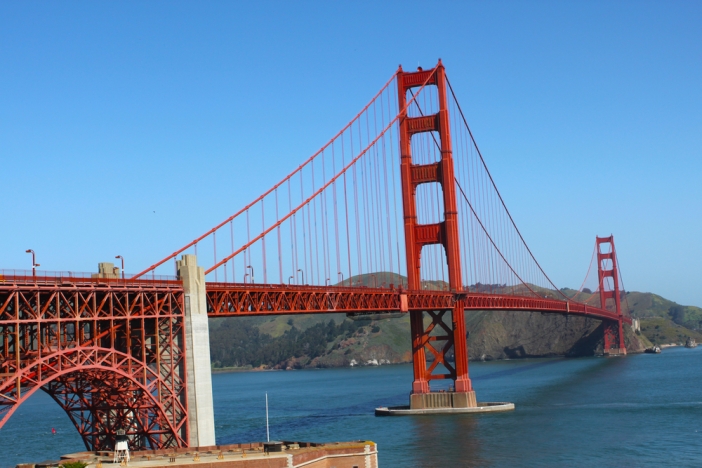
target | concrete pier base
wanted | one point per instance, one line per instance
(615, 352)
(443, 403)
(443, 400)
(482, 407)
(197, 353)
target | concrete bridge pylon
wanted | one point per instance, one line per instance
(197, 336)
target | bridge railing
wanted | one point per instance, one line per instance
(56, 278)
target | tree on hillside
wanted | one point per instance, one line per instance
(677, 313)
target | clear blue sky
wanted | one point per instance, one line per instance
(589, 115)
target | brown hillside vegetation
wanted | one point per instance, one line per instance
(337, 340)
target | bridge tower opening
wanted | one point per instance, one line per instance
(454, 343)
(609, 290)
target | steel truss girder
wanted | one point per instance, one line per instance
(112, 355)
(246, 299)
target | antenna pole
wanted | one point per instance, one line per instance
(268, 436)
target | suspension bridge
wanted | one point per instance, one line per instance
(403, 188)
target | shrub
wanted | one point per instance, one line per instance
(75, 464)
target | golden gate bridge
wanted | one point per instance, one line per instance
(130, 352)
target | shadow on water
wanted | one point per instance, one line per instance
(591, 371)
(516, 370)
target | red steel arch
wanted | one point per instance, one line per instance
(92, 386)
(111, 354)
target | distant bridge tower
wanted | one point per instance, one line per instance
(419, 235)
(607, 268)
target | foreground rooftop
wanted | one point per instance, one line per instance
(283, 454)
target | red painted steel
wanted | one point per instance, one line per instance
(607, 268)
(111, 354)
(445, 233)
(246, 299)
(111, 351)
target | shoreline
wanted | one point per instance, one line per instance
(228, 370)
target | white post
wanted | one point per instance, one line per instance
(268, 436)
(197, 353)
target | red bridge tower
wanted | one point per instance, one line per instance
(445, 233)
(607, 268)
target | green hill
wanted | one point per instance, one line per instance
(649, 305)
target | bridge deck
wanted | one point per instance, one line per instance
(246, 299)
(235, 299)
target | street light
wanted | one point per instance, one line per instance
(34, 262)
(326, 283)
(290, 280)
(342, 278)
(252, 273)
(299, 270)
(121, 258)
(375, 281)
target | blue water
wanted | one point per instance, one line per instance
(643, 410)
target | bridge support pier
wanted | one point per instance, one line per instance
(441, 347)
(197, 351)
(614, 338)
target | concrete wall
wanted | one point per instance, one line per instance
(106, 270)
(197, 337)
(443, 400)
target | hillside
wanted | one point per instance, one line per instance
(664, 321)
(329, 340)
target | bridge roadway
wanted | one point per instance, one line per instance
(247, 299)
(237, 299)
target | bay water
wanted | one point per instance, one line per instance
(639, 410)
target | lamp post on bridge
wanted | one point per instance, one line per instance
(252, 273)
(342, 278)
(290, 280)
(299, 270)
(122, 259)
(34, 263)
